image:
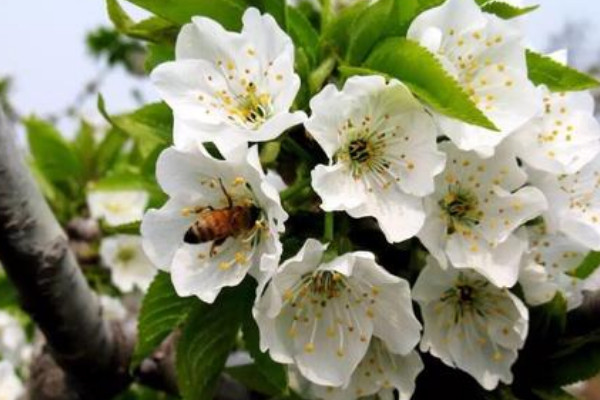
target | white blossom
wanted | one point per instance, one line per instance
(235, 210)
(477, 205)
(549, 267)
(470, 324)
(130, 267)
(380, 370)
(230, 88)
(11, 387)
(321, 316)
(574, 202)
(13, 342)
(117, 207)
(275, 180)
(382, 151)
(485, 55)
(564, 137)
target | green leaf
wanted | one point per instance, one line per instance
(558, 77)
(319, 76)
(575, 359)
(507, 11)
(270, 372)
(109, 150)
(85, 147)
(303, 68)
(162, 312)
(416, 67)
(548, 321)
(150, 126)
(346, 72)
(303, 34)
(154, 29)
(158, 54)
(589, 264)
(227, 12)
(206, 340)
(8, 293)
(371, 27)
(58, 200)
(277, 8)
(131, 228)
(149, 165)
(383, 19)
(53, 154)
(252, 377)
(336, 35)
(120, 181)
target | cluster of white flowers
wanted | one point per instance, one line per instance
(492, 208)
(123, 254)
(15, 355)
(11, 387)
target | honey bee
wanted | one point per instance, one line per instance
(217, 225)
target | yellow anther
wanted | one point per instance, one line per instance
(224, 266)
(240, 258)
(309, 347)
(288, 295)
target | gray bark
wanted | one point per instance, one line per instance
(85, 357)
(36, 256)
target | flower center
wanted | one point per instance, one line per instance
(250, 108)
(326, 284)
(365, 154)
(359, 150)
(333, 301)
(461, 209)
(470, 295)
(126, 254)
(116, 207)
(465, 294)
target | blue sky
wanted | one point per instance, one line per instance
(42, 48)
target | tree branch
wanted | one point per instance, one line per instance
(85, 357)
(35, 253)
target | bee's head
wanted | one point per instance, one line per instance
(255, 213)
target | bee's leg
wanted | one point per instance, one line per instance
(214, 246)
(227, 196)
(201, 209)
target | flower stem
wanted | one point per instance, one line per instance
(328, 227)
(320, 75)
(293, 146)
(325, 13)
(295, 188)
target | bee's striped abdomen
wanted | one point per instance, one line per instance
(209, 226)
